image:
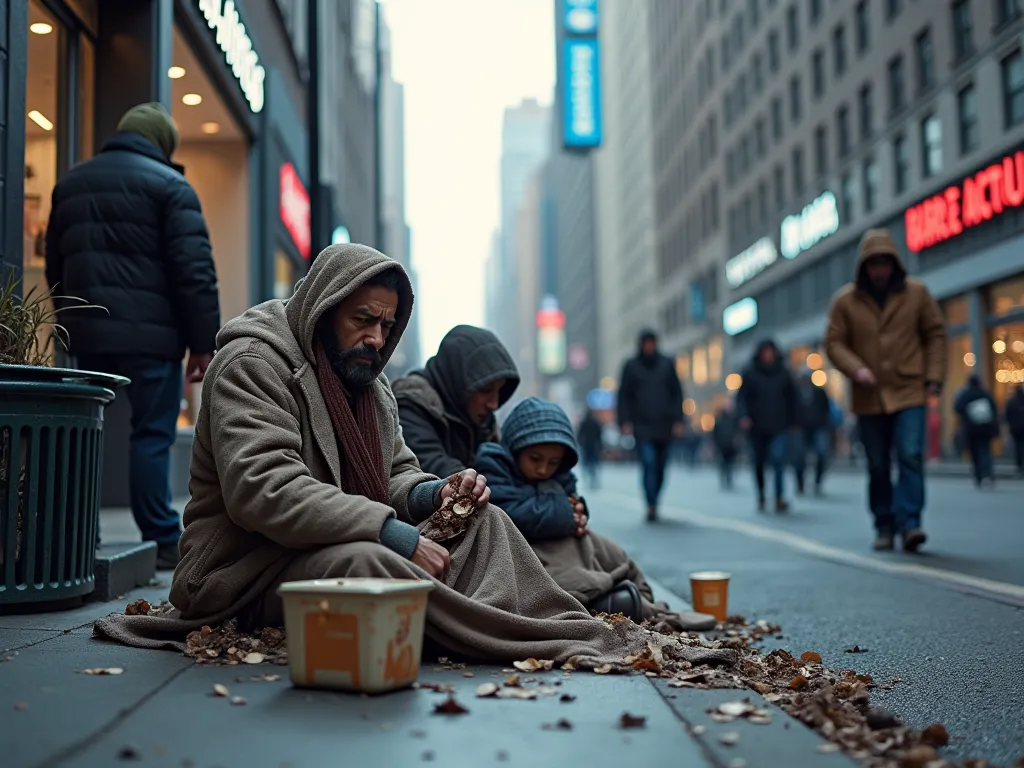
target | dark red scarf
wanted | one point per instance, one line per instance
(358, 435)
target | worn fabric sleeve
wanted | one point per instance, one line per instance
(425, 499)
(837, 339)
(191, 272)
(267, 487)
(538, 516)
(401, 538)
(933, 335)
(422, 438)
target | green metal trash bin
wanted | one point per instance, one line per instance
(51, 454)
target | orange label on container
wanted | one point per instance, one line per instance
(332, 644)
(400, 663)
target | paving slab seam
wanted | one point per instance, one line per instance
(96, 736)
(997, 591)
(705, 748)
(57, 633)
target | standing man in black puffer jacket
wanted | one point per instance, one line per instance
(127, 234)
(650, 407)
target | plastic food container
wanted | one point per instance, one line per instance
(362, 635)
(711, 593)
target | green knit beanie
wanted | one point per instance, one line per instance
(152, 121)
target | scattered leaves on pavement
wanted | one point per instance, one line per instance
(102, 671)
(128, 753)
(935, 735)
(486, 690)
(729, 738)
(603, 669)
(626, 720)
(238, 701)
(259, 679)
(449, 707)
(225, 645)
(561, 725)
(856, 649)
(220, 690)
(435, 687)
(810, 657)
(138, 608)
(565, 698)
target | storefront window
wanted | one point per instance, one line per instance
(961, 364)
(955, 311)
(86, 99)
(1008, 362)
(715, 360)
(683, 367)
(1007, 296)
(284, 275)
(700, 366)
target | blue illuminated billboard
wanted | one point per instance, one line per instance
(740, 317)
(579, 17)
(581, 93)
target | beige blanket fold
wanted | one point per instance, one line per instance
(499, 604)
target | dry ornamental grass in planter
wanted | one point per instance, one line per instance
(23, 320)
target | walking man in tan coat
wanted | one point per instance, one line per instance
(885, 332)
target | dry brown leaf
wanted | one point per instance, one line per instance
(566, 698)
(102, 671)
(627, 720)
(828, 748)
(810, 657)
(485, 690)
(761, 688)
(735, 708)
(561, 725)
(468, 674)
(437, 687)
(220, 690)
(729, 738)
(603, 669)
(533, 665)
(128, 753)
(138, 608)
(238, 701)
(449, 707)
(919, 757)
(935, 735)
(20, 706)
(253, 658)
(799, 683)
(517, 693)
(512, 681)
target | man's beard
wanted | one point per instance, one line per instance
(355, 375)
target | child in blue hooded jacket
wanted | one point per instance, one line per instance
(530, 476)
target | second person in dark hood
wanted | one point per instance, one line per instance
(447, 409)
(650, 406)
(767, 407)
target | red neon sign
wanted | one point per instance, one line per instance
(294, 205)
(550, 318)
(978, 198)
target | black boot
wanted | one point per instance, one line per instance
(624, 598)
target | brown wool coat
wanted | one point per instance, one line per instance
(904, 344)
(266, 471)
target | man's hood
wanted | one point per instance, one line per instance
(755, 360)
(289, 325)
(878, 242)
(469, 359)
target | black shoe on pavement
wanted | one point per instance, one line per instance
(781, 505)
(913, 539)
(652, 514)
(760, 503)
(167, 557)
(624, 598)
(883, 543)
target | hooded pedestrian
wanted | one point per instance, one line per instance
(447, 409)
(979, 421)
(766, 404)
(127, 234)
(650, 408)
(885, 332)
(813, 426)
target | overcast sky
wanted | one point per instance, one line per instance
(462, 62)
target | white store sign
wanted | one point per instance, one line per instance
(234, 41)
(813, 224)
(752, 262)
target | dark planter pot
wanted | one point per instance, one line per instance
(51, 465)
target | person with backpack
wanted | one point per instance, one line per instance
(979, 421)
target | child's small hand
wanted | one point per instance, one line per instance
(579, 508)
(581, 524)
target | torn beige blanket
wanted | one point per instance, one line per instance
(498, 604)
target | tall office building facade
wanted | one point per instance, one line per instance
(904, 114)
(525, 139)
(624, 187)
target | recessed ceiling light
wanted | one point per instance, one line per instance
(176, 73)
(39, 119)
(210, 128)
(191, 99)
(40, 28)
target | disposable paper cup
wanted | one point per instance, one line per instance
(710, 591)
(363, 635)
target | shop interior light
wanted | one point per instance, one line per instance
(733, 382)
(191, 99)
(176, 73)
(39, 119)
(814, 361)
(970, 360)
(999, 346)
(819, 378)
(210, 128)
(40, 28)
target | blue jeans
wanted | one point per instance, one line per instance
(155, 398)
(770, 449)
(817, 441)
(653, 458)
(895, 509)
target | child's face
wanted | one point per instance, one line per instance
(541, 461)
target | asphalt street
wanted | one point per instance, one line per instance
(949, 622)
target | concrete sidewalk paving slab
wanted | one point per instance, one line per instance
(49, 707)
(280, 725)
(782, 742)
(83, 615)
(12, 639)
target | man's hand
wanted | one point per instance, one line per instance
(678, 429)
(432, 558)
(473, 485)
(865, 376)
(195, 368)
(626, 429)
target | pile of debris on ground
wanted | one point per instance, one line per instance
(834, 703)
